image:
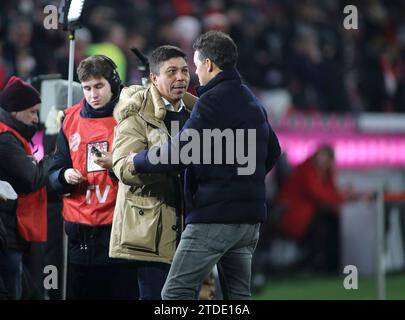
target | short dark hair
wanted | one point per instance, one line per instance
(218, 47)
(94, 67)
(162, 54)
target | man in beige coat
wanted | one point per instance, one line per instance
(148, 210)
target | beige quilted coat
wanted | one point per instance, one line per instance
(144, 221)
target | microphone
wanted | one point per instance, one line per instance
(141, 57)
(144, 67)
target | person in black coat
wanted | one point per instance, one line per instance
(3, 198)
(224, 189)
(19, 107)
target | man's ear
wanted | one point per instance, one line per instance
(14, 114)
(210, 65)
(153, 77)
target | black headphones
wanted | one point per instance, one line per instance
(115, 79)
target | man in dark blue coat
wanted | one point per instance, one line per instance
(224, 189)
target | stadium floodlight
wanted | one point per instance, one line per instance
(70, 13)
(74, 13)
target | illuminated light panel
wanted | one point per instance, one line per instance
(351, 150)
(75, 10)
(37, 148)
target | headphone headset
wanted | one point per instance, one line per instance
(115, 78)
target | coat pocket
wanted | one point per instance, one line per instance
(142, 224)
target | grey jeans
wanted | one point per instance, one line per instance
(231, 246)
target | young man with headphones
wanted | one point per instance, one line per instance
(81, 171)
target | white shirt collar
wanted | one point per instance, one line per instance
(170, 107)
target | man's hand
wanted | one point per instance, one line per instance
(105, 161)
(130, 163)
(73, 176)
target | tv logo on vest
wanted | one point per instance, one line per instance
(101, 197)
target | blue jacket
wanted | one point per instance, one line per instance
(216, 193)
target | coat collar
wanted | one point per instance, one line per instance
(226, 74)
(87, 110)
(170, 107)
(153, 109)
(147, 103)
(27, 131)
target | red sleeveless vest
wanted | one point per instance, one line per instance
(93, 201)
(31, 207)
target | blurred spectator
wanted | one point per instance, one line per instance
(82, 42)
(4, 68)
(305, 72)
(187, 29)
(23, 51)
(310, 200)
(383, 81)
(300, 46)
(113, 45)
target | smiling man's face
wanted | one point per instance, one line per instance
(173, 79)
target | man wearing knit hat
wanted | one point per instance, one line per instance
(24, 219)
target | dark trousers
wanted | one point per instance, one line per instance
(114, 281)
(54, 245)
(33, 272)
(321, 244)
(3, 291)
(151, 278)
(11, 272)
